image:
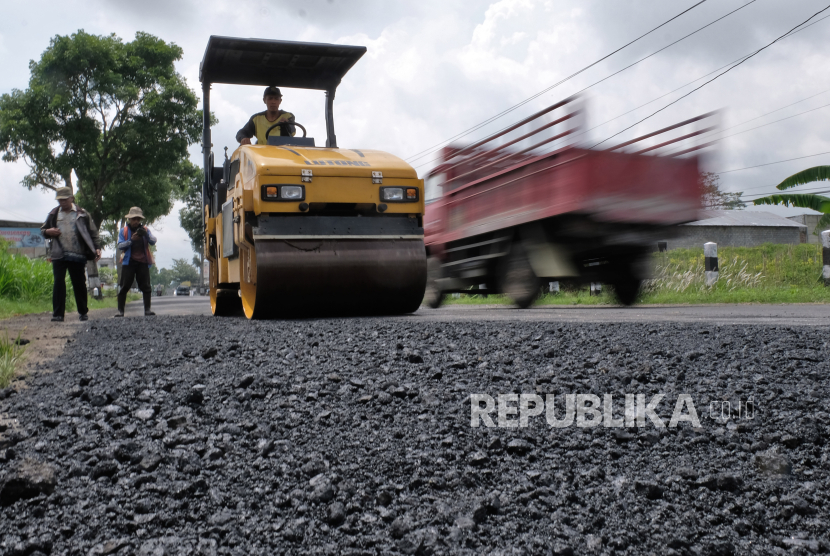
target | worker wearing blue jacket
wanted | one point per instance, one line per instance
(135, 241)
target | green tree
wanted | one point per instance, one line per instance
(183, 271)
(107, 275)
(116, 114)
(190, 216)
(818, 203)
(714, 198)
(161, 276)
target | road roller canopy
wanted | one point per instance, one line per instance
(300, 65)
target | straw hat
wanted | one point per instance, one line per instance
(135, 212)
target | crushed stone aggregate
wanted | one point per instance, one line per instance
(194, 435)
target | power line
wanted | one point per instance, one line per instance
(810, 191)
(714, 78)
(777, 109)
(703, 137)
(514, 107)
(17, 214)
(771, 163)
(592, 85)
(773, 122)
(701, 77)
(758, 187)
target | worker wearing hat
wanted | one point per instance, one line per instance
(73, 240)
(259, 123)
(135, 240)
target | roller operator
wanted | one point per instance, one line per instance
(259, 123)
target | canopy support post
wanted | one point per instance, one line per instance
(331, 139)
(206, 145)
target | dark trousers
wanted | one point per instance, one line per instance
(140, 272)
(78, 278)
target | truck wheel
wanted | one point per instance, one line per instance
(627, 278)
(519, 281)
(627, 290)
(433, 297)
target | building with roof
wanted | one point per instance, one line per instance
(739, 228)
(813, 229)
(24, 238)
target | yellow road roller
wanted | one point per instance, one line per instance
(296, 229)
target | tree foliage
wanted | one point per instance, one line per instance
(190, 217)
(810, 175)
(183, 271)
(116, 114)
(803, 200)
(714, 198)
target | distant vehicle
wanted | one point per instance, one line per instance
(508, 220)
(182, 291)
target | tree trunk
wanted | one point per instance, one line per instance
(116, 257)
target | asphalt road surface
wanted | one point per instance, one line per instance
(180, 435)
(788, 315)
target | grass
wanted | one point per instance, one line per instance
(12, 308)
(26, 287)
(12, 356)
(766, 274)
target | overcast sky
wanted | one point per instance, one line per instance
(435, 68)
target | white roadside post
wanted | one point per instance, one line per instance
(710, 255)
(553, 287)
(825, 257)
(596, 288)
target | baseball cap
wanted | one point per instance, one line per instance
(272, 91)
(63, 193)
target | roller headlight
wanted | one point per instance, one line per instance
(391, 194)
(278, 192)
(292, 192)
(399, 194)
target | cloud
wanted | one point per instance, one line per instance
(437, 67)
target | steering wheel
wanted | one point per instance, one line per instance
(268, 131)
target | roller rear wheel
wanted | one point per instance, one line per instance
(223, 302)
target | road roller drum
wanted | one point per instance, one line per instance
(305, 277)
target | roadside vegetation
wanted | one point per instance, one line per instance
(12, 355)
(766, 274)
(26, 287)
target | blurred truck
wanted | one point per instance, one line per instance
(513, 211)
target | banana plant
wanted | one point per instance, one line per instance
(818, 203)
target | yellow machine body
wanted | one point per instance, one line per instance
(340, 249)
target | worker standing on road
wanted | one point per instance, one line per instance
(135, 240)
(259, 123)
(73, 241)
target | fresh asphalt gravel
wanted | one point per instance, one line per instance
(194, 435)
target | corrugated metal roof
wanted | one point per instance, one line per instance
(18, 224)
(744, 218)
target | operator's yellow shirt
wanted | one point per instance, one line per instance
(259, 124)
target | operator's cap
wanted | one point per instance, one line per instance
(272, 91)
(63, 193)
